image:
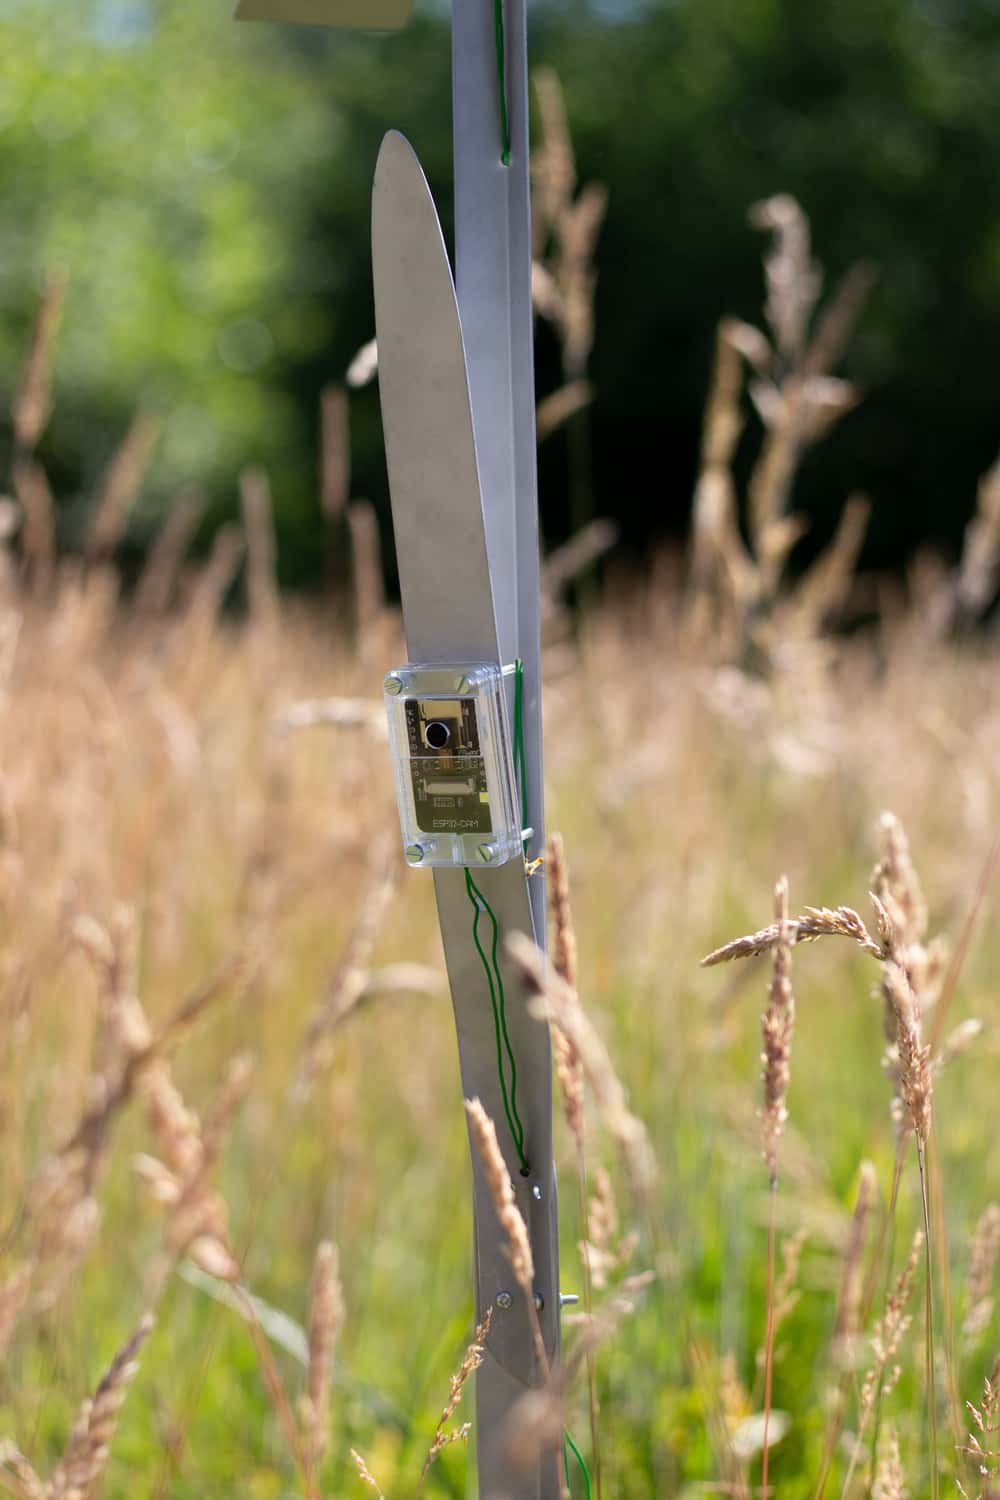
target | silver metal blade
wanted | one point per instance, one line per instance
(448, 614)
(368, 15)
(437, 509)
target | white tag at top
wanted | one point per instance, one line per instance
(371, 15)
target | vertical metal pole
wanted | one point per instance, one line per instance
(493, 282)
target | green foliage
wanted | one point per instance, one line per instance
(205, 188)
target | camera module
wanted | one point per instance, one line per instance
(437, 734)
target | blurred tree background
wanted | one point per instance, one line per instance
(204, 189)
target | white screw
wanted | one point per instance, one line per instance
(414, 854)
(393, 684)
(487, 853)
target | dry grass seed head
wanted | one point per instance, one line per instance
(986, 1417)
(87, 1452)
(814, 922)
(896, 883)
(908, 1058)
(326, 1315)
(888, 1483)
(793, 279)
(889, 1331)
(518, 1246)
(778, 1026)
(18, 1468)
(367, 1477)
(471, 1362)
(569, 1068)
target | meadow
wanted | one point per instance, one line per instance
(174, 836)
(230, 1099)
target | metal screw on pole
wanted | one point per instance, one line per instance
(414, 854)
(504, 1301)
(393, 684)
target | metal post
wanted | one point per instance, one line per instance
(493, 282)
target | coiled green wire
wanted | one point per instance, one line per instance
(498, 1001)
(491, 964)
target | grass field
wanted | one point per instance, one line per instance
(168, 835)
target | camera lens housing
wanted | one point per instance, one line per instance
(437, 734)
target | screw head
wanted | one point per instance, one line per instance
(393, 684)
(539, 1301)
(463, 685)
(487, 853)
(504, 1300)
(414, 854)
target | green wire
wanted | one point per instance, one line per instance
(567, 1440)
(502, 80)
(499, 1005)
(491, 965)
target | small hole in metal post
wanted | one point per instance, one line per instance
(525, 1171)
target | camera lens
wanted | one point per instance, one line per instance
(437, 734)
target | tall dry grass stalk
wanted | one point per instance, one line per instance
(38, 541)
(566, 227)
(778, 1025)
(555, 1002)
(32, 404)
(444, 1436)
(158, 582)
(888, 1482)
(981, 1446)
(850, 1318)
(569, 1070)
(510, 1219)
(886, 1338)
(974, 587)
(736, 587)
(369, 588)
(335, 452)
(326, 1315)
(262, 552)
(120, 488)
(912, 971)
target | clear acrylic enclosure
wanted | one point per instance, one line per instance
(453, 764)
